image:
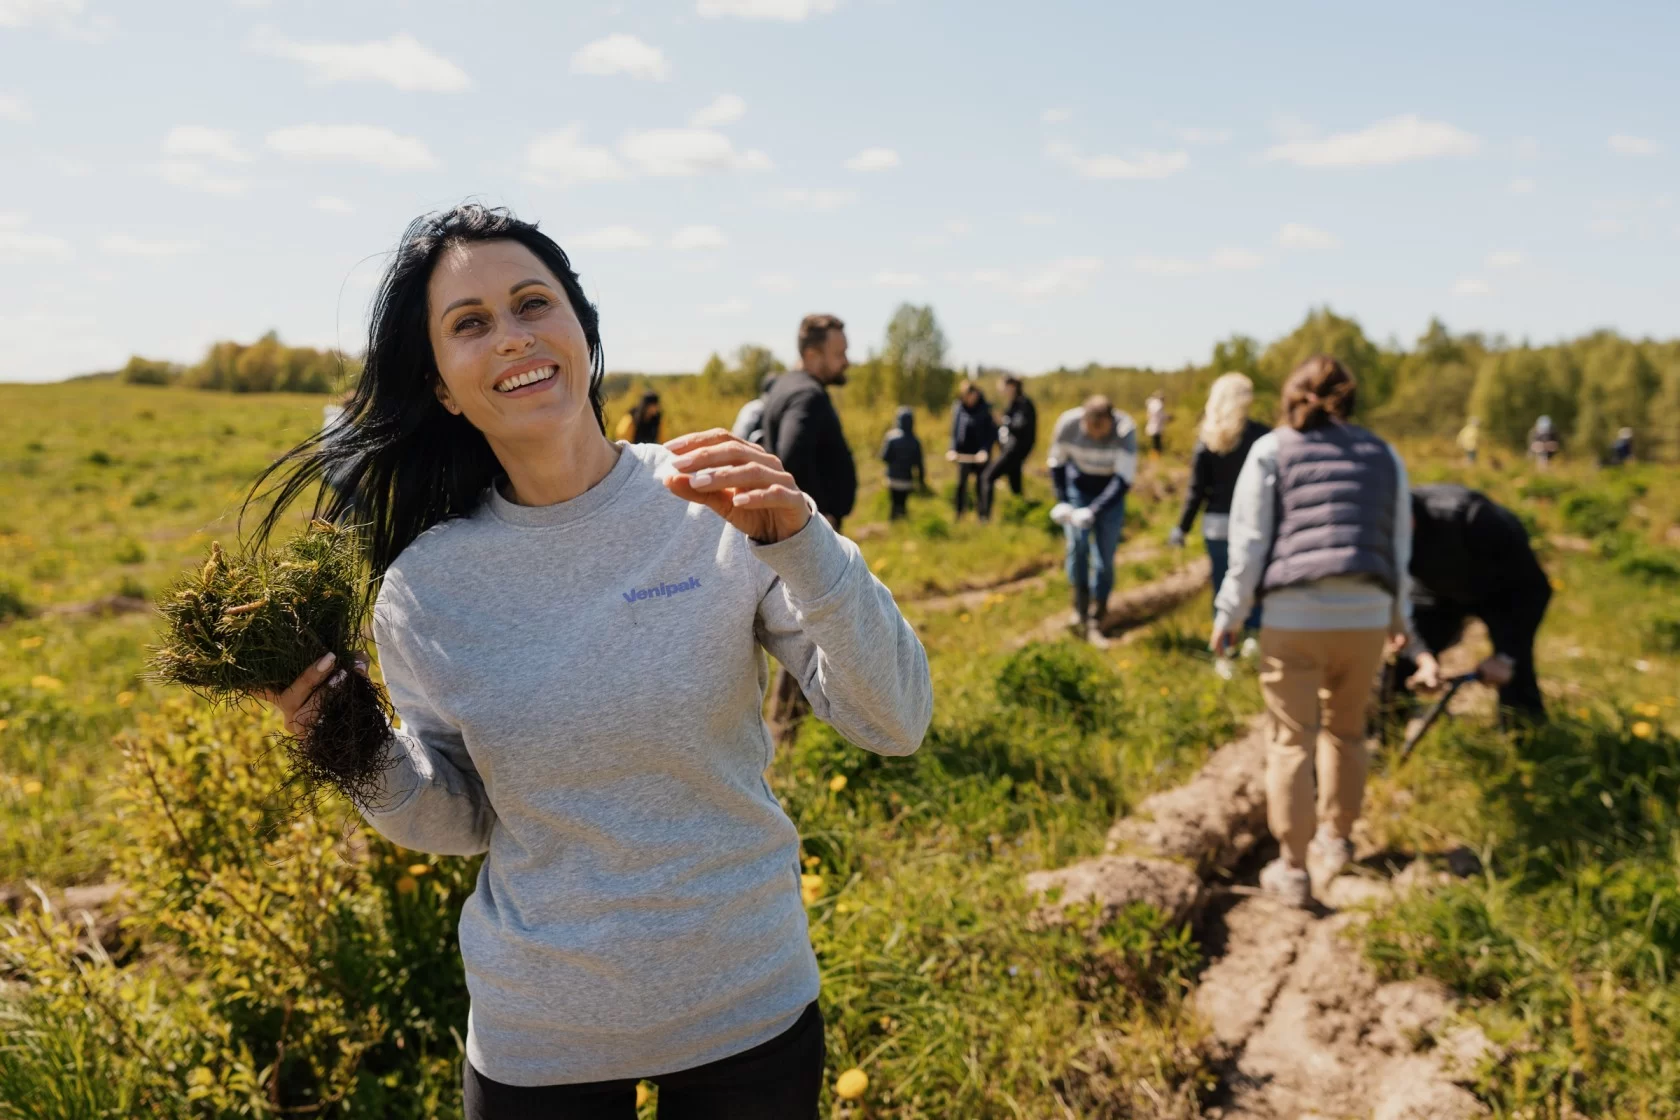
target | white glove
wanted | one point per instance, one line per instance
(1060, 512)
(1175, 539)
(1082, 518)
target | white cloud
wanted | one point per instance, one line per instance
(688, 151)
(622, 54)
(611, 237)
(14, 108)
(1059, 277)
(1007, 327)
(958, 227)
(1055, 116)
(333, 204)
(724, 109)
(12, 219)
(776, 282)
(1036, 219)
(195, 176)
(129, 246)
(816, 198)
(1166, 266)
(63, 16)
(400, 61)
(954, 228)
(1505, 258)
(873, 159)
(1235, 260)
(352, 143)
(1394, 140)
(733, 306)
(1471, 286)
(790, 11)
(1203, 136)
(1607, 227)
(1140, 165)
(1521, 186)
(1623, 144)
(691, 238)
(195, 140)
(1295, 235)
(562, 158)
(17, 244)
(887, 278)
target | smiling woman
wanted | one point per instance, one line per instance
(605, 747)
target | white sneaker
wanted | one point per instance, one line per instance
(1250, 648)
(1289, 885)
(1329, 852)
(1095, 636)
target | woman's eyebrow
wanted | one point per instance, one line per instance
(463, 303)
(526, 284)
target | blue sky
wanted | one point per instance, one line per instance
(1062, 181)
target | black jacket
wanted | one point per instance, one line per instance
(902, 451)
(1470, 553)
(1213, 475)
(1019, 432)
(972, 429)
(802, 429)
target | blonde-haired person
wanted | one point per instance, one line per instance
(1222, 447)
(1321, 530)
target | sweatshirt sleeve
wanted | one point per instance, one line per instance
(1196, 493)
(1252, 515)
(432, 798)
(836, 628)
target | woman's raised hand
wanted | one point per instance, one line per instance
(298, 701)
(740, 482)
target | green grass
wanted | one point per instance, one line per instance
(935, 981)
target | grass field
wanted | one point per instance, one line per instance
(310, 965)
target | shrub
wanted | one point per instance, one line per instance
(100, 458)
(1592, 514)
(322, 973)
(1661, 632)
(131, 588)
(12, 603)
(1652, 566)
(932, 526)
(129, 551)
(1059, 679)
(144, 498)
(1544, 488)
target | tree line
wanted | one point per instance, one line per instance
(264, 366)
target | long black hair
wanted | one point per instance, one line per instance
(397, 462)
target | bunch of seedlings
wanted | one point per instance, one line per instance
(247, 626)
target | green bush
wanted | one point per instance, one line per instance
(1544, 488)
(129, 551)
(12, 603)
(1061, 679)
(1660, 631)
(1591, 514)
(1652, 566)
(290, 965)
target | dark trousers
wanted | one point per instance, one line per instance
(1008, 465)
(778, 1080)
(900, 504)
(966, 471)
(1511, 626)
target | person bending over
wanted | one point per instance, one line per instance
(1320, 530)
(1471, 558)
(1093, 459)
(573, 632)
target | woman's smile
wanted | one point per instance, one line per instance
(531, 376)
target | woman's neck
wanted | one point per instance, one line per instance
(557, 469)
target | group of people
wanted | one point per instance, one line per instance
(1544, 444)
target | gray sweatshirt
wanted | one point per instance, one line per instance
(1337, 603)
(580, 688)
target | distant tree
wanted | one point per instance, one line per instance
(913, 358)
(1516, 387)
(1325, 332)
(752, 364)
(268, 365)
(144, 371)
(1618, 384)
(1237, 354)
(714, 376)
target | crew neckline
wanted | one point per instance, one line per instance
(591, 501)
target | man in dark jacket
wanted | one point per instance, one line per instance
(1017, 435)
(801, 427)
(906, 469)
(1471, 557)
(973, 431)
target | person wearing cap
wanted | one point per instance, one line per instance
(1622, 450)
(1092, 460)
(901, 451)
(1543, 442)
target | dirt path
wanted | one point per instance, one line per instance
(1303, 1029)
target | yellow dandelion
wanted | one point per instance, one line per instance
(642, 1095)
(810, 888)
(419, 868)
(812, 862)
(965, 617)
(1165, 691)
(32, 787)
(5, 723)
(1582, 713)
(851, 1085)
(1649, 711)
(1557, 584)
(837, 783)
(1124, 664)
(406, 885)
(31, 643)
(43, 683)
(124, 699)
(1642, 730)
(879, 566)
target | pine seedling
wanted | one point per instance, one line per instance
(244, 625)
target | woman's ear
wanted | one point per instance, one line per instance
(447, 401)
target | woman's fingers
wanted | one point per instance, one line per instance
(684, 444)
(771, 497)
(743, 476)
(723, 455)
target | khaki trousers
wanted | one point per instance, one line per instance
(1317, 687)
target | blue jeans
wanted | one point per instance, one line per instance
(1090, 556)
(1219, 553)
